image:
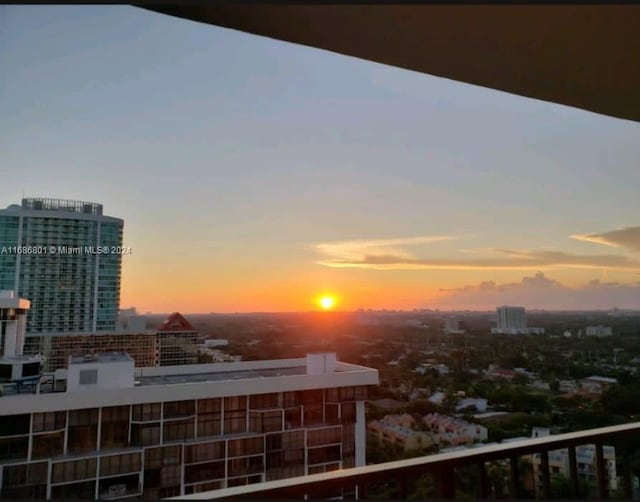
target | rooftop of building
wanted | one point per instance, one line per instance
(106, 357)
(193, 381)
(49, 204)
(59, 208)
(601, 379)
(397, 430)
(446, 421)
(220, 376)
(176, 323)
(9, 300)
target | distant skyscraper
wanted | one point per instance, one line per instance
(452, 325)
(511, 320)
(64, 257)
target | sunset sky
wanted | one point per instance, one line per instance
(255, 175)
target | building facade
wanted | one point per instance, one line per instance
(393, 431)
(13, 323)
(559, 465)
(103, 429)
(511, 319)
(598, 331)
(452, 325)
(450, 431)
(178, 341)
(174, 343)
(143, 348)
(64, 257)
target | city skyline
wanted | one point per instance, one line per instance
(300, 172)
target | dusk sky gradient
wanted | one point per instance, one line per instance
(254, 175)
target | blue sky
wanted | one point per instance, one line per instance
(234, 158)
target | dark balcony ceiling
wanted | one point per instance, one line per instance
(585, 56)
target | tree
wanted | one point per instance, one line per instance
(421, 407)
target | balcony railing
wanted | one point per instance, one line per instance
(354, 483)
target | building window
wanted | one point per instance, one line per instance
(119, 486)
(332, 395)
(290, 399)
(178, 430)
(245, 465)
(265, 421)
(312, 414)
(145, 434)
(247, 446)
(314, 396)
(82, 431)
(318, 437)
(285, 463)
(84, 490)
(74, 470)
(209, 417)
(14, 448)
(323, 454)
(204, 452)
(361, 393)
(114, 432)
(348, 413)
(235, 414)
(14, 425)
(293, 418)
(170, 476)
(204, 472)
(178, 409)
(49, 421)
(263, 401)
(331, 413)
(120, 464)
(293, 440)
(48, 445)
(347, 394)
(205, 487)
(146, 412)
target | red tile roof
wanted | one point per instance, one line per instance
(175, 323)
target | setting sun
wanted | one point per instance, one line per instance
(327, 302)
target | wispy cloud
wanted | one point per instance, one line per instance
(504, 259)
(628, 238)
(353, 250)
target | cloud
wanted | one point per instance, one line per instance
(503, 259)
(628, 238)
(354, 249)
(541, 292)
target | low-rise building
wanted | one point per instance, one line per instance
(597, 384)
(598, 331)
(568, 385)
(104, 429)
(494, 372)
(442, 369)
(452, 326)
(389, 431)
(449, 431)
(585, 459)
